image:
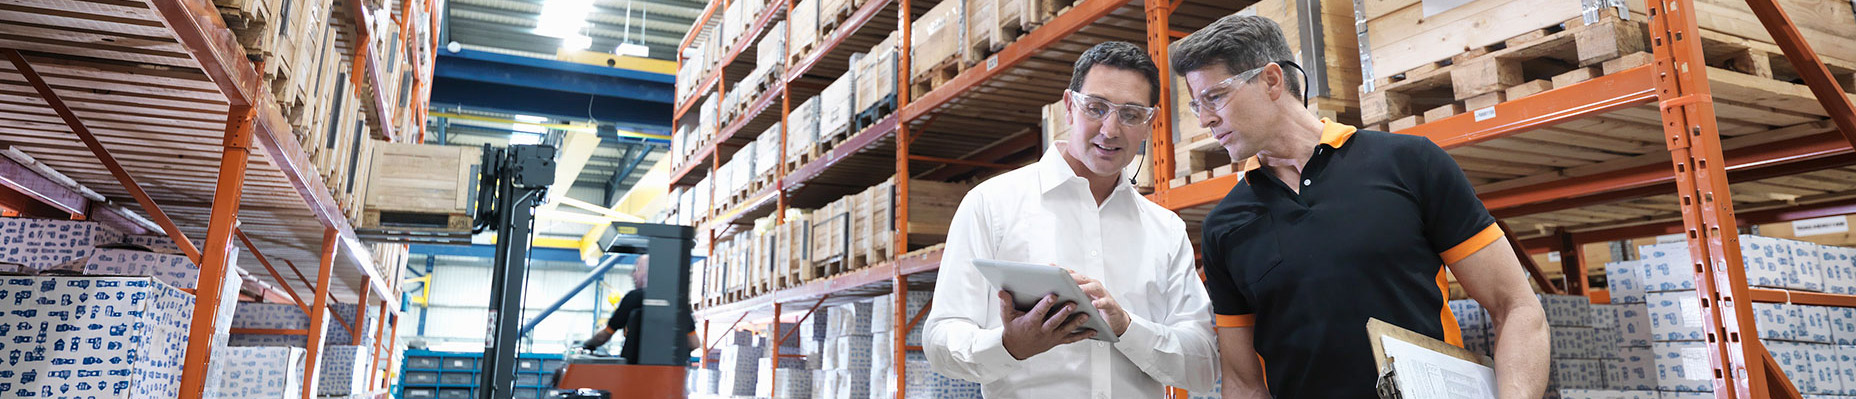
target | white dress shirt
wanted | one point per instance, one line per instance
(1045, 214)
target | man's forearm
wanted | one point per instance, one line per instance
(1521, 354)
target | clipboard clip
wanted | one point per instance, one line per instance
(1387, 386)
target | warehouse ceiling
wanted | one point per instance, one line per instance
(597, 180)
(508, 26)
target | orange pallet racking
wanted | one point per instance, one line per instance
(958, 130)
(176, 61)
(1675, 87)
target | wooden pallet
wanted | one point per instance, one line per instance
(1483, 77)
(799, 54)
(414, 221)
(802, 159)
(935, 77)
(829, 20)
(870, 116)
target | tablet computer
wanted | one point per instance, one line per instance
(1029, 283)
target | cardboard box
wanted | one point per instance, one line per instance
(1795, 359)
(1576, 374)
(130, 336)
(936, 38)
(1768, 261)
(835, 108)
(1626, 281)
(1839, 270)
(876, 77)
(1607, 394)
(1842, 325)
(925, 383)
(1574, 342)
(1474, 324)
(1633, 369)
(1777, 321)
(1807, 267)
(254, 315)
(1683, 367)
(1634, 323)
(803, 122)
(1846, 376)
(1814, 324)
(40, 243)
(175, 270)
(1666, 267)
(1824, 369)
(1567, 310)
(1675, 316)
(253, 372)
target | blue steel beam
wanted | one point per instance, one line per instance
(559, 76)
(489, 251)
(591, 276)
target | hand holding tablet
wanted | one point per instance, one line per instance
(1046, 307)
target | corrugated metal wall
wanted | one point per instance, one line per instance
(460, 299)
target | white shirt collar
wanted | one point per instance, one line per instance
(1054, 171)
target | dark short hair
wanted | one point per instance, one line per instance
(1239, 43)
(1121, 55)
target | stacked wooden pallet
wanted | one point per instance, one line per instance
(1538, 47)
(937, 47)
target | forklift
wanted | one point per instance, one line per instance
(511, 184)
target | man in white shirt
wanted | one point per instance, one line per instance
(1074, 209)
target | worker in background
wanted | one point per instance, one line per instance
(629, 313)
(1075, 209)
(1337, 226)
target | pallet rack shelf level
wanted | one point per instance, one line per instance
(1669, 96)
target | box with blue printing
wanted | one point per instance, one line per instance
(1839, 270)
(256, 315)
(1625, 280)
(253, 373)
(344, 370)
(1573, 342)
(1683, 367)
(1685, 395)
(1777, 321)
(924, 382)
(1576, 374)
(851, 319)
(1814, 323)
(102, 337)
(1675, 316)
(1666, 268)
(43, 243)
(1768, 261)
(175, 270)
(1634, 368)
(1567, 310)
(1807, 267)
(1634, 323)
(1606, 394)
(1845, 375)
(1842, 325)
(1795, 360)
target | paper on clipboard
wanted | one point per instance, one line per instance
(1416, 366)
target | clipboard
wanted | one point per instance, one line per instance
(1387, 382)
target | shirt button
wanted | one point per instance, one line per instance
(1093, 253)
(1307, 182)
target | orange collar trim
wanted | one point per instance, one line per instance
(1335, 134)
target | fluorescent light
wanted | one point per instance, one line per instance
(524, 138)
(563, 18)
(633, 49)
(530, 118)
(576, 42)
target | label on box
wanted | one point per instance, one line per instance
(1485, 114)
(1691, 311)
(1695, 365)
(1821, 226)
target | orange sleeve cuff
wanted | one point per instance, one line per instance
(1473, 244)
(1230, 321)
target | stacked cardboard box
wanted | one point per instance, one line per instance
(883, 330)
(1808, 341)
(344, 370)
(925, 383)
(132, 343)
(260, 373)
(845, 368)
(40, 243)
(738, 361)
(253, 315)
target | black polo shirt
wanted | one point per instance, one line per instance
(1378, 217)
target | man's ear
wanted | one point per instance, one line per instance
(1273, 81)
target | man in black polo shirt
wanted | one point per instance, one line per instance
(1336, 227)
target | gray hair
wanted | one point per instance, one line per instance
(1239, 43)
